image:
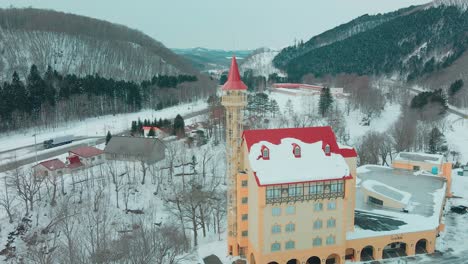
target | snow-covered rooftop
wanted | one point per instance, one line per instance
(387, 191)
(420, 157)
(425, 205)
(283, 167)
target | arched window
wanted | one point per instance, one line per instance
(265, 153)
(275, 247)
(296, 150)
(318, 224)
(275, 229)
(317, 242)
(290, 245)
(290, 227)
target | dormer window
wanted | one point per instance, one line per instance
(327, 150)
(296, 150)
(265, 153)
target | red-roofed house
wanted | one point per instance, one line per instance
(88, 156)
(54, 167)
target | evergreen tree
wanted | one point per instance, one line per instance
(179, 126)
(7, 101)
(134, 127)
(223, 79)
(20, 95)
(108, 137)
(455, 87)
(437, 142)
(36, 89)
(49, 89)
(326, 100)
(151, 132)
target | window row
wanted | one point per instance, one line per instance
(330, 240)
(331, 223)
(291, 227)
(288, 245)
(293, 190)
(291, 210)
(316, 242)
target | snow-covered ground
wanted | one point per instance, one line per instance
(93, 127)
(261, 64)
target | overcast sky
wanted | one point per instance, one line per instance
(235, 24)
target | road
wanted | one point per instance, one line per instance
(18, 152)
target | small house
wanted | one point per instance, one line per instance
(54, 167)
(87, 155)
(149, 150)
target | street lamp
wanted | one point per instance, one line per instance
(35, 145)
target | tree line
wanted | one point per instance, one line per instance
(50, 98)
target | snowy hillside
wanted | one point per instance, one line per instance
(461, 3)
(80, 45)
(261, 62)
(77, 54)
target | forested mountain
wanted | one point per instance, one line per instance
(80, 45)
(211, 59)
(410, 43)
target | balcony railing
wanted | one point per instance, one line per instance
(303, 198)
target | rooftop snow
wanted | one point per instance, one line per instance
(420, 157)
(284, 167)
(388, 191)
(427, 196)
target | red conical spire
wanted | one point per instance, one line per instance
(234, 81)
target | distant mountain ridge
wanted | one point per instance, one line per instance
(211, 59)
(410, 43)
(81, 45)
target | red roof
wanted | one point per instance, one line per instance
(86, 151)
(74, 162)
(306, 134)
(54, 164)
(234, 81)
